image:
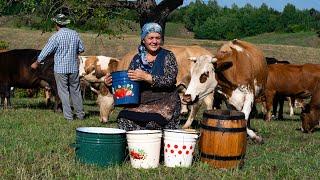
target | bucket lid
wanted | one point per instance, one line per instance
(142, 132)
(100, 130)
(185, 131)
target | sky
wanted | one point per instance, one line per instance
(276, 4)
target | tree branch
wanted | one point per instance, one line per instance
(115, 4)
(169, 5)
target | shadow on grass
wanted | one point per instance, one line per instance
(261, 116)
(91, 113)
(38, 105)
(316, 130)
(90, 103)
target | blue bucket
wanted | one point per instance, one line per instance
(124, 90)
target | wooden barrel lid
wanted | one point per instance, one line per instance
(223, 114)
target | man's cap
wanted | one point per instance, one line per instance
(61, 19)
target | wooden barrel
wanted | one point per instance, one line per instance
(223, 139)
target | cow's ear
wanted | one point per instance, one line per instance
(113, 64)
(223, 66)
(192, 58)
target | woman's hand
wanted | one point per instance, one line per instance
(108, 80)
(139, 75)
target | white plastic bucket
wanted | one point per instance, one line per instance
(179, 147)
(144, 148)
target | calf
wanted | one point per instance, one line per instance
(279, 99)
(239, 69)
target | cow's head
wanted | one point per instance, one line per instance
(227, 50)
(105, 102)
(309, 119)
(203, 79)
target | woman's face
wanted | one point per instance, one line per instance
(152, 41)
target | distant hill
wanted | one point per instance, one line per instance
(305, 39)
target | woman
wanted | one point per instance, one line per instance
(156, 69)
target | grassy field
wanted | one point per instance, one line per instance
(305, 39)
(34, 141)
(35, 145)
(118, 46)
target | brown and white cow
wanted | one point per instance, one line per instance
(239, 69)
(300, 81)
(92, 70)
(182, 53)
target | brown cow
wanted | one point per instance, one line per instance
(279, 98)
(182, 54)
(239, 69)
(299, 81)
(16, 72)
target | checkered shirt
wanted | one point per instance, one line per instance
(66, 44)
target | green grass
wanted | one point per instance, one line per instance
(305, 39)
(35, 145)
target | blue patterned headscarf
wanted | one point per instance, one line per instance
(146, 29)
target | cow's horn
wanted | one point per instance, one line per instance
(213, 60)
(192, 58)
(94, 90)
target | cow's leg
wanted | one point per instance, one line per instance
(6, 97)
(48, 94)
(247, 107)
(57, 107)
(193, 111)
(269, 101)
(275, 103)
(5, 103)
(184, 107)
(281, 103)
(291, 101)
(242, 99)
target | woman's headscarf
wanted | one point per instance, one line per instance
(146, 29)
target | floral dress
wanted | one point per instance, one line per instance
(159, 103)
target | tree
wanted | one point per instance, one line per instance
(148, 10)
(100, 11)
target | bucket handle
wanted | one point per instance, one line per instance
(74, 145)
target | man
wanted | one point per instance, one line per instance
(66, 46)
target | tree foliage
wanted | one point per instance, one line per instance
(207, 20)
(210, 21)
